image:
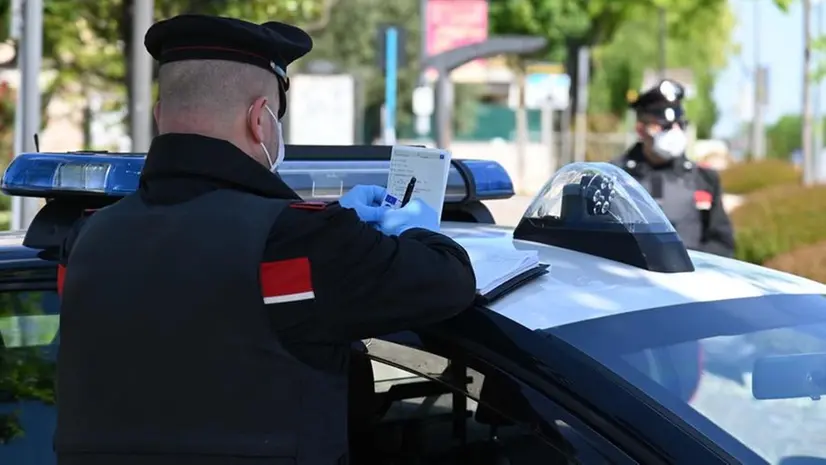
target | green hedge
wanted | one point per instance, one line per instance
(808, 261)
(748, 177)
(778, 220)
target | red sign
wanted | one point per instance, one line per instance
(455, 23)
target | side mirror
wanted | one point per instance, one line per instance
(789, 376)
(802, 460)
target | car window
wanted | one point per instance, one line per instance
(715, 377)
(28, 331)
(430, 409)
(743, 372)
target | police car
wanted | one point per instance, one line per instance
(626, 348)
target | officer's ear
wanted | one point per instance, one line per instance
(156, 112)
(256, 118)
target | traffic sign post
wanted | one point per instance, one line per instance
(390, 43)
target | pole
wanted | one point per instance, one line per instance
(521, 120)
(30, 100)
(807, 104)
(820, 168)
(816, 118)
(423, 122)
(566, 155)
(582, 104)
(662, 41)
(391, 49)
(757, 148)
(548, 139)
(422, 39)
(17, 202)
(142, 17)
(443, 107)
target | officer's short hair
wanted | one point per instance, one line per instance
(214, 85)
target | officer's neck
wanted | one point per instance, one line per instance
(655, 160)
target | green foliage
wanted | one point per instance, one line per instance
(779, 220)
(555, 20)
(783, 4)
(89, 42)
(698, 38)
(745, 178)
(784, 136)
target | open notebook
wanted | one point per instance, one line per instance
(500, 270)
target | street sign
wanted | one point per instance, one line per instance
(322, 110)
(451, 24)
(542, 88)
(423, 101)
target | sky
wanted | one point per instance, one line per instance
(780, 47)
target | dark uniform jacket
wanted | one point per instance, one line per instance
(690, 196)
(208, 317)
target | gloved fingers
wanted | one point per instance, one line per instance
(374, 195)
(372, 214)
(363, 195)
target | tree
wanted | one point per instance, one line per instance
(350, 40)
(784, 136)
(571, 24)
(700, 42)
(89, 42)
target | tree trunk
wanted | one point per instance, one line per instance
(572, 68)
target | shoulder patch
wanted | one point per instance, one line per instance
(314, 206)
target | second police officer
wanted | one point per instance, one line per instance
(690, 195)
(207, 318)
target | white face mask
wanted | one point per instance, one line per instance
(280, 151)
(671, 143)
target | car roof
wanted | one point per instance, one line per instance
(579, 286)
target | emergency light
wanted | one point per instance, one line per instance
(315, 174)
(600, 210)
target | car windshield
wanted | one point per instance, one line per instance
(753, 367)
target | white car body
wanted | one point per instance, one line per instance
(580, 286)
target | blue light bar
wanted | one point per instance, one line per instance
(52, 175)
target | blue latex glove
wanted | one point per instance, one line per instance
(366, 201)
(415, 214)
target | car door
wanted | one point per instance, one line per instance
(573, 387)
(438, 409)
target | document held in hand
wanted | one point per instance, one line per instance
(417, 173)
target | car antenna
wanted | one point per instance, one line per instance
(36, 143)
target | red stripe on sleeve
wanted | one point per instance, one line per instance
(286, 281)
(61, 277)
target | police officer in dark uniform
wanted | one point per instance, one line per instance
(690, 195)
(207, 318)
